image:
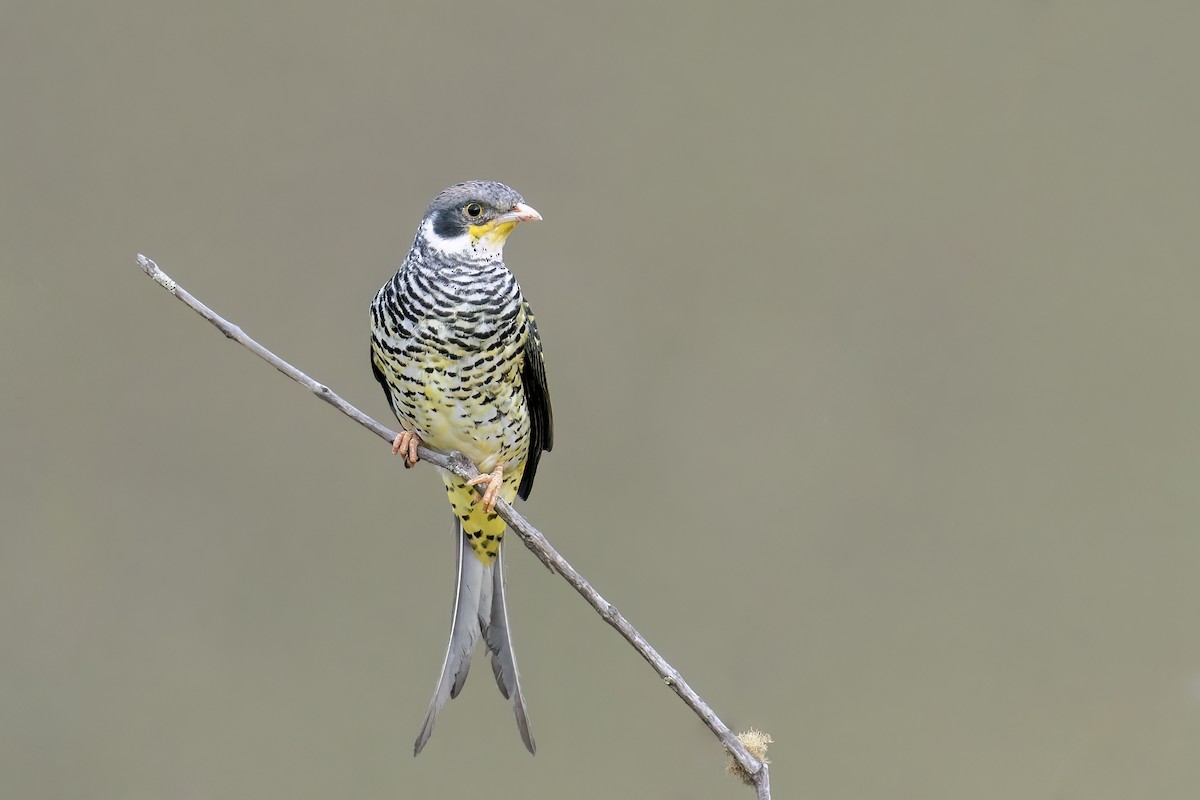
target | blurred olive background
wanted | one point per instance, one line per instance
(872, 337)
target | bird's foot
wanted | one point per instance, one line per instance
(494, 480)
(407, 442)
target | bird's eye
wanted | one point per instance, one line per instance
(473, 210)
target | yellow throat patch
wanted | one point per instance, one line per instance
(490, 231)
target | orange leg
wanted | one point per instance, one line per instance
(494, 480)
(407, 442)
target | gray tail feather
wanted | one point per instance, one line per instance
(498, 638)
(473, 585)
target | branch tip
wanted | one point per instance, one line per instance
(755, 742)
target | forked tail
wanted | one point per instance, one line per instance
(479, 608)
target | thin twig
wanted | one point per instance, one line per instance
(531, 536)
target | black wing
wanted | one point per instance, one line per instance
(537, 395)
(383, 381)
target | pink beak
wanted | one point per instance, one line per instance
(523, 213)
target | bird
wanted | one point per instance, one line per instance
(456, 349)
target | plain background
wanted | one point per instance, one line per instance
(872, 337)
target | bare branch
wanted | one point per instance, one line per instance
(531, 536)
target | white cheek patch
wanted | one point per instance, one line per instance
(463, 247)
(455, 246)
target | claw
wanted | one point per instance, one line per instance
(407, 442)
(494, 481)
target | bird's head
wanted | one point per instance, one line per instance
(471, 220)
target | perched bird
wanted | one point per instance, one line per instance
(456, 349)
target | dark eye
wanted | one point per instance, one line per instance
(473, 210)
